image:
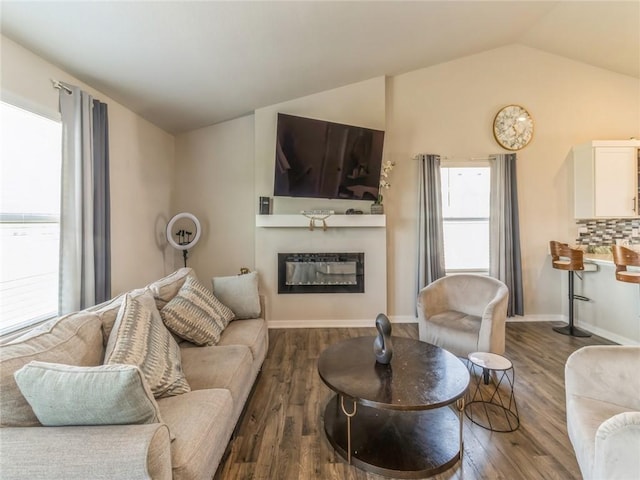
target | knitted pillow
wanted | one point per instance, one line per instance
(195, 314)
(139, 338)
(104, 395)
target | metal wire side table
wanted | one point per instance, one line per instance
(492, 403)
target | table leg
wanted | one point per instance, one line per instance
(460, 406)
(348, 415)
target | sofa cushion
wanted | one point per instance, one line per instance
(239, 293)
(219, 367)
(457, 331)
(140, 338)
(63, 395)
(108, 311)
(252, 333)
(166, 288)
(202, 421)
(74, 339)
(195, 314)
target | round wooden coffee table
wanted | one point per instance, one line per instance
(395, 419)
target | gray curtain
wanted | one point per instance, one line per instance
(85, 261)
(430, 229)
(504, 237)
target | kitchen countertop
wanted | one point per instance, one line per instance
(599, 258)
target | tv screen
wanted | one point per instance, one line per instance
(319, 159)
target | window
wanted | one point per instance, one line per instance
(465, 212)
(30, 158)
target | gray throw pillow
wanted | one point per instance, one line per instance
(195, 314)
(104, 395)
(239, 293)
(140, 338)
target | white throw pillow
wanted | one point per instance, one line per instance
(140, 338)
(104, 395)
(239, 293)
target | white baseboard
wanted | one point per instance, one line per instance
(340, 323)
(538, 318)
(606, 334)
(585, 326)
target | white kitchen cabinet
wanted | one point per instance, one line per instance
(606, 178)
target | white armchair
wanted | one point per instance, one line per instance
(603, 410)
(464, 313)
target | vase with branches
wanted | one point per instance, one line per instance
(387, 166)
(384, 179)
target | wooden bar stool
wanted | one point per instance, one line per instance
(564, 257)
(624, 257)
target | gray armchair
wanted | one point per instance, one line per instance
(464, 313)
(603, 410)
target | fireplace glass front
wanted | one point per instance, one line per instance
(321, 273)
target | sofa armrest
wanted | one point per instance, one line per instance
(96, 452)
(605, 372)
(617, 452)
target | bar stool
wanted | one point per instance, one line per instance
(564, 257)
(624, 257)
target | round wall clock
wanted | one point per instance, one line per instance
(513, 127)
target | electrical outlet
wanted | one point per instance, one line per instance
(635, 232)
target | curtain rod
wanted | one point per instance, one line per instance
(474, 158)
(59, 85)
(460, 158)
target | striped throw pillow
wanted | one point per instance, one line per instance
(139, 338)
(195, 314)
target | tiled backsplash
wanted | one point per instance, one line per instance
(605, 232)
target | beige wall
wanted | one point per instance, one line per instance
(214, 181)
(448, 109)
(141, 159)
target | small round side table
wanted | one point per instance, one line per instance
(492, 403)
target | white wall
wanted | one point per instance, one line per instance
(214, 181)
(141, 160)
(448, 109)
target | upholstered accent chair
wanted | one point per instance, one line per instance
(464, 313)
(602, 385)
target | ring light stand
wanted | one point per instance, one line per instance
(185, 240)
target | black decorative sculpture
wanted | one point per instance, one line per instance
(382, 346)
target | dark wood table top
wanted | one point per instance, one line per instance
(420, 376)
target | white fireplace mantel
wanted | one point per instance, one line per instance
(336, 220)
(291, 233)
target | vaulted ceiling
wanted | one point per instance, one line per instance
(184, 65)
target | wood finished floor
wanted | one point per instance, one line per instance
(281, 435)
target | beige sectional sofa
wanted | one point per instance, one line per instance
(197, 425)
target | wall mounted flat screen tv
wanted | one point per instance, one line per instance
(319, 159)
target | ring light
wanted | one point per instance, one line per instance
(185, 241)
